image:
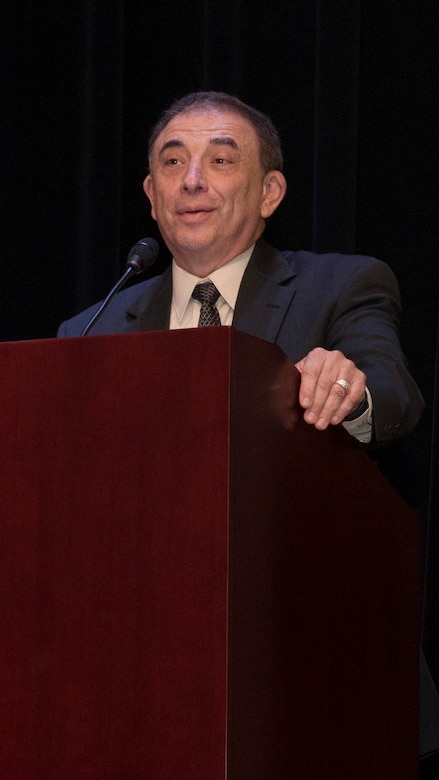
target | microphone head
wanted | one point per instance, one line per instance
(142, 255)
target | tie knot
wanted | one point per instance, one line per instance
(206, 292)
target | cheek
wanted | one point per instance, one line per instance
(158, 205)
(165, 199)
(246, 204)
(240, 200)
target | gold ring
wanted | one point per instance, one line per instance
(344, 384)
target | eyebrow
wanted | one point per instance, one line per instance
(225, 140)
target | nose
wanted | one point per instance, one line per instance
(194, 178)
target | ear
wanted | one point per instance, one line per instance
(148, 188)
(273, 192)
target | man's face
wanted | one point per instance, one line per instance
(207, 189)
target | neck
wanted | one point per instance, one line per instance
(201, 268)
(202, 265)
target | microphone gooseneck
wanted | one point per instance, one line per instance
(140, 258)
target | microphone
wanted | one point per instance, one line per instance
(140, 258)
(142, 255)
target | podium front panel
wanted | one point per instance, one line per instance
(195, 583)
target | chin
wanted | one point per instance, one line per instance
(194, 243)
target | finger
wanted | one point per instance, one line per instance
(321, 369)
(339, 403)
(352, 400)
(310, 368)
(322, 394)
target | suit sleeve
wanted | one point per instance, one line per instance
(365, 326)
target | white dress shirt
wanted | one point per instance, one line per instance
(185, 311)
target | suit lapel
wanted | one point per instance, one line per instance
(267, 290)
(152, 312)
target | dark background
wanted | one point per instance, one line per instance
(352, 87)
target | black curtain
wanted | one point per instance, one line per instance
(351, 86)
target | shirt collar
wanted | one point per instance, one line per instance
(227, 280)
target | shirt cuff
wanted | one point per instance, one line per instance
(361, 427)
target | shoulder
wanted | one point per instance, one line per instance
(307, 261)
(321, 277)
(334, 269)
(335, 263)
(117, 316)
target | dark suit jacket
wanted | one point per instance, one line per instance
(300, 300)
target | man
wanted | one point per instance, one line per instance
(215, 177)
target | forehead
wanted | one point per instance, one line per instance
(207, 124)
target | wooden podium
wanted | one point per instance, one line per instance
(195, 584)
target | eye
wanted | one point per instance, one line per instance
(172, 161)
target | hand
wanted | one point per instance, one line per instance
(326, 402)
